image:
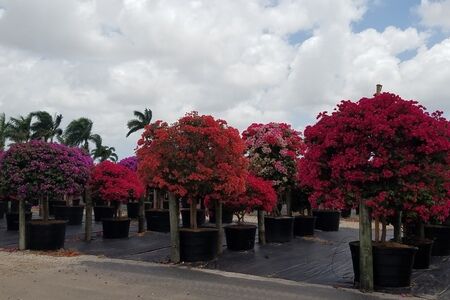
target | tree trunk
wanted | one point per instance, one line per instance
(398, 227)
(261, 228)
(193, 213)
(174, 229)
(22, 225)
(421, 230)
(141, 219)
(219, 226)
(155, 199)
(289, 202)
(88, 222)
(365, 250)
(45, 210)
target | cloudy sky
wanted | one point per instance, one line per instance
(242, 60)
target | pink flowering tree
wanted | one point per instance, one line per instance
(274, 150)
(388, 152)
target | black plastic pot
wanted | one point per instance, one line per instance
(103, 212)
(12, 220)
(48, 235)
(147, 206)
(346, 213)
(441, 236)
(53, 203)
(72, 214)
(227, 216)
(240, 237)
(186, 217)
(304, 225)
(165, 204)
(133, 210)
(15, 206)
(3, 208)
(157, 220)
(423, 256)
(116, 228)
(327, 220)
(279, 229)
(198, 244)
(392, 267)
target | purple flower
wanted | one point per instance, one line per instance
(130, 162)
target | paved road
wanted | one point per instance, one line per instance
(28, 276)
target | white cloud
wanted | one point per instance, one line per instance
(435, 13)
(103, 59)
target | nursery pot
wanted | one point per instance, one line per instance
(12, 220)
(148, 205)
(279, 229)
(441, 236)
(53, 203)
(227, 215)
(158, 220)
(240, 237)
(72, 214)
(186, 217)
(15, 206)
(116, 228)
(133, 210)
(423, 256)
(346, 213)
(392, 265)
(198, 244)
(46, 235)
(327, 220)
(304, 225)
(102, 212)
(3, 208)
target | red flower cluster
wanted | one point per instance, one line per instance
(386, 150)
(259, 194)
(116, 183)
(198, 157)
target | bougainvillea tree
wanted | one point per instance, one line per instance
(274, 150)
(115, 183)
(198, 158)
(41, 170)
(259, 194)
(130, 162)
(387, 151)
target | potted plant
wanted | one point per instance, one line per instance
(131, 163)
(304, 221)
(197, 158)
(383, 153)
(273, 150)
(116, 184)
(41, 170)
(259, 194)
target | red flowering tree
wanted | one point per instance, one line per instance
(389, 152)
(259, 194)
(274, 150)
(115, 183)
(198, 157)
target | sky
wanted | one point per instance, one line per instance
(243, 61)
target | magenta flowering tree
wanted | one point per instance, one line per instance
(274, 150)
(130, 162)
(39, 169)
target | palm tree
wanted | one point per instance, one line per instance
(102, 152)
(79, 133)
(19, 129)
(46, 127)
(143, 119)
(3, 131)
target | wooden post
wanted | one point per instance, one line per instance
(174, 212)
(22, 225)
(365, 249)
(219, 226)
(261, 228)
(88, 220)
(141, 219)
(155, 199)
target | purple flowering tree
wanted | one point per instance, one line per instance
(130, 162)
(41, 170)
